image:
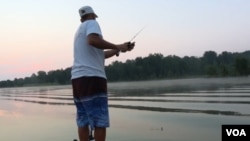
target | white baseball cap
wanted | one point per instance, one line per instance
(86, 10)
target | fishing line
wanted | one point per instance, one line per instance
(137, 33)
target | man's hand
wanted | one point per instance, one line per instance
(131, 46)
(128, 46)
(123, 47)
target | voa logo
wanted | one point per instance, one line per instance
(236, 132)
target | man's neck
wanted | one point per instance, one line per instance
(87, 18)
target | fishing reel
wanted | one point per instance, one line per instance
(131, 45)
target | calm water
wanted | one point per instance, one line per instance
(166, 110)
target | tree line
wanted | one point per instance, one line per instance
(154, 66)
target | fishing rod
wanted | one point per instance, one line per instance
(136, 34)
(130, 41)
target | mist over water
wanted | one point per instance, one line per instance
(146, 110)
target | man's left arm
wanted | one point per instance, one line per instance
(110, 53)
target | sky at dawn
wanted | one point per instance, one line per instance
(38, 34)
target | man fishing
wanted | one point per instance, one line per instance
(89, 82)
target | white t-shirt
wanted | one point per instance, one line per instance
(88, 60)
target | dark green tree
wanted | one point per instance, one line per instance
(242, 66)
(154, 66)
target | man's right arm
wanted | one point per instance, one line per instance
(96, 41)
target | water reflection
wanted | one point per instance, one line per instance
(159, 109)
(182, 101)
(172, 92)
(41, 102)
(146, 108)
(179, 110)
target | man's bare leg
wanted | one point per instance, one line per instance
(83, 133)
(100, 134)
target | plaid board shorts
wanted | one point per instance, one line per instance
(91, 101)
